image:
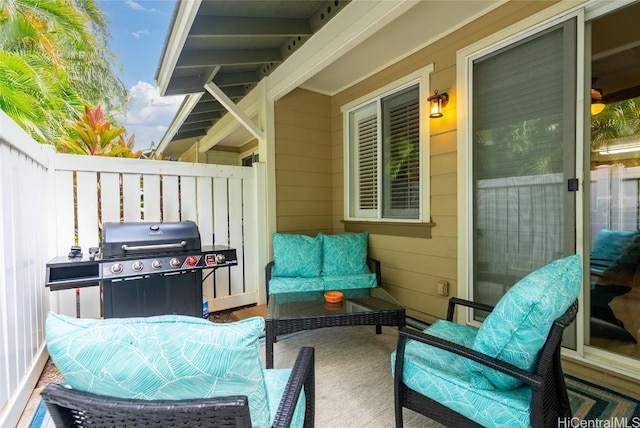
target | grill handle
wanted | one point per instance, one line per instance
(180, 244)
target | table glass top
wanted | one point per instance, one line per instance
(312, 303)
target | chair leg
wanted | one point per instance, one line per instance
(398, 409)
(398, 385)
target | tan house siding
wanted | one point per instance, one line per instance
(303, 163)
(412, 267)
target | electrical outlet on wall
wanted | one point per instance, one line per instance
(443, 288)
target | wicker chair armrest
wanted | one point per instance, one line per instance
(302, 377)
(456, 301)
(267, 273)
(404, 334)
(374, 265)
(65, 404)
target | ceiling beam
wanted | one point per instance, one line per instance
(204, 125)
(196, 58)
(201, 117)
(189, 134)
(225, 26)
(231, 79)
(207, 107)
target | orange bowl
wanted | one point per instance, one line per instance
(333, 296)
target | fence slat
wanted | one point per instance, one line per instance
(170, 201)
(131, 197)
(110, 197)
(151, 197)
(236, 221)
(188, 205)
(88, 236)
(221, 231)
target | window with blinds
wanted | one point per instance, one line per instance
(385, 157)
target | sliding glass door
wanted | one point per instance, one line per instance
(523, 158)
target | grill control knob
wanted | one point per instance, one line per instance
(174, 262)
(116, 268)
(137, 266)
(220, 258)
(191, 261)
(156, 264)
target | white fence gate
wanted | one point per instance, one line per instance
(52, 201)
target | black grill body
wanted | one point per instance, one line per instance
(145, 269)
(178, 293)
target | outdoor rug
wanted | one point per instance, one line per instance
(354, 387)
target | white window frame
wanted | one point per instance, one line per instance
(420, 77)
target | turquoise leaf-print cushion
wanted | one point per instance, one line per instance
(444, 377)
(296, 255)
(517, 328)
(283, 284)
(345, 254)
(348, 282)
(168, 357)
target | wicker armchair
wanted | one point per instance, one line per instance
(73, 408)
(549, 402)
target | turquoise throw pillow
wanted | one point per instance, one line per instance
(517, 328)
(610, 244)
(296, 255)
(345, 254)
(170, 357)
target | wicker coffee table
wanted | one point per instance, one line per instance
(291, 312)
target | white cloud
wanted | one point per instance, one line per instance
(137, 34)
(134, 5)
(149, 115)
(137, 6)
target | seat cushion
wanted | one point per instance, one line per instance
(170, 357)
(347, 282)
(517, 328)
(278, 285)
(297, 255)
(345, 254)
(276, 382)
(445, 378)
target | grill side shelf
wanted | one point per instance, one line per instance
(64, 273)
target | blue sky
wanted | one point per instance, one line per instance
(138, 30)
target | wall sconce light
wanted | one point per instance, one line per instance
(437, 102)
(597, 105)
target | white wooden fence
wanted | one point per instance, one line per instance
(52, 201)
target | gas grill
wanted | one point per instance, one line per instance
(145, 268)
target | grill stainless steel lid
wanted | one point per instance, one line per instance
(127, 239)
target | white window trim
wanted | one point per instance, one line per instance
(422, 78)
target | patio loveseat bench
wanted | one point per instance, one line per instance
(321, 263)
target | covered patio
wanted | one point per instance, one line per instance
(271, 84)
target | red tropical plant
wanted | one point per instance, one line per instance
(93, 135)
